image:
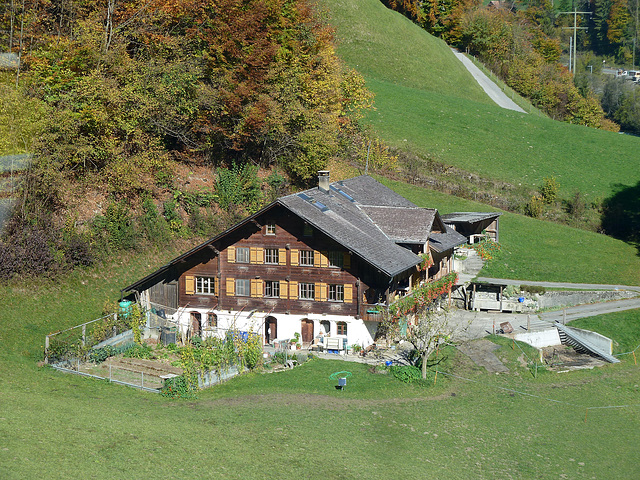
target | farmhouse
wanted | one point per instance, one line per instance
(327, 261)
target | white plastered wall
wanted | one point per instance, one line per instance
(358, 333)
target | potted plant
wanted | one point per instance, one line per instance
(295, 341)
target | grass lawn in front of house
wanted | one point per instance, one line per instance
(295, 423)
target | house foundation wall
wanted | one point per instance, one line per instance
(358, 332)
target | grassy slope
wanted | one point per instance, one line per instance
(424, 101)
(537, 250)
(295, 424)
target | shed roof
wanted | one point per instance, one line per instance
(441, 242)
(469, 217)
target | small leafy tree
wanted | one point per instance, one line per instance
(429, 330)
(238, 185)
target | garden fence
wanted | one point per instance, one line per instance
(73, 344)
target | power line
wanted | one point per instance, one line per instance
(575, 29)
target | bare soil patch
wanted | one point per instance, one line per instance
(561, 358)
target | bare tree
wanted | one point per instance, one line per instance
(428, 330)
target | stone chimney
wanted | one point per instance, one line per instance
(323, 180)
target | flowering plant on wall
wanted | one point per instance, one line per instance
(422, 297)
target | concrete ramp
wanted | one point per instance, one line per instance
(587, 342)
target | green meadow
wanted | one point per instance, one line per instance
(295, 423)
(544, 251)
(428, 103)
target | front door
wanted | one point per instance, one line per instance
(195, 324)
(307, 331)
(270, 329)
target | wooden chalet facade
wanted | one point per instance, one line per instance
(324, 260)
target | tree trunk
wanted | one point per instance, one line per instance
(425, 355)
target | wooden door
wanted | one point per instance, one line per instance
(270, 329)
(307, 331)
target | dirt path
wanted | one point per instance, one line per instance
(481, 353)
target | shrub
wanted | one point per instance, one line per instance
(27, 248)
(143, 351)
(549, 190)
(533, 289)
(487, 248)
(116, 226)
(153, 225)
(238, 185)
(406, 373)
(576, 206)
(535, 207)
(78, 251)
(170, 213)
(177, 387)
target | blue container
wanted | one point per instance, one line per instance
(388, 363)
(521, 299)
(125, 308)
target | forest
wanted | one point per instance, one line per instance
(156, 121)
(126, 97)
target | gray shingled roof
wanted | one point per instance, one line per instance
(342, 218)
(402, 224)
(468, 217)
(441, 242)
(371, 192)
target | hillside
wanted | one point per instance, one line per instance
(536, 250)
(427, 103)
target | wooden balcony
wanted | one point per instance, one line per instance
(373, 313)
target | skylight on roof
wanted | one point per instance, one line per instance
(343, 193)
(306, 197)
(321, 206)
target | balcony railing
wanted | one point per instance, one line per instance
(373, 313)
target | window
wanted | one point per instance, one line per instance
(271, 288)
(306, 291)
(336, 259)
(336, 293)
(243, 287)
(205, 285)
(270, 228)
(271, 256)
(306, 258)
(212, 320)
(242, 255)
(342, 328)
(307, 231)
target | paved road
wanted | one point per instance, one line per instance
(488, 85)
(480, 324)
(577, 286)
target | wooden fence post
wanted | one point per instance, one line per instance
(46, 350)
(84, 334)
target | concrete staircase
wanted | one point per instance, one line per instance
(470, 267)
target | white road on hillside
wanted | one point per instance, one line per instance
(487, 85)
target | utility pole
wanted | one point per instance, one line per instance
(575, 36)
